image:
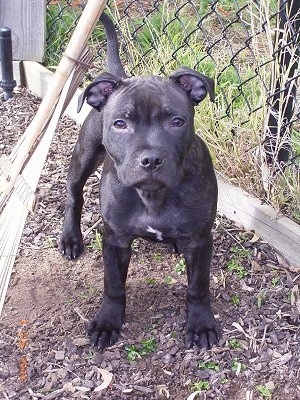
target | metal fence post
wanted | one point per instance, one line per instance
(281, 102)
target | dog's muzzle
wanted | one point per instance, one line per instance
(150, 161)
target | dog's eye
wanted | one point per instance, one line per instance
(120, 124)
(177, 122)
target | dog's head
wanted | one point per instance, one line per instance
(148, 123)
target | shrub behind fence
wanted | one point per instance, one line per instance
(250, 48)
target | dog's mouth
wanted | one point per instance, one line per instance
(163, 178)
(149, 185)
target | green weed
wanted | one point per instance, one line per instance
(50, 242)
(96, 244)
(148, 346)
(240, 252)
(137, 351)
(209, 365)
(237, 366)
(132, 353)
(261, 299)
(234, 344)
(264, 391)
(235, 300)
(236, 267)
(275, 280)
(151, 281)
(180, 267)
(201, 385)
(157, 257)
(168, 280)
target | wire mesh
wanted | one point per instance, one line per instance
(250, 48)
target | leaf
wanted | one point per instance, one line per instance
(82, 388)
(256, 266)
(254, 239)
(81, 341)
(295, 299)
(163, 391)
(193, 395)
(107, 378)
(282, 360)
(68, 387)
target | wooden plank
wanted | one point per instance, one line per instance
(38, 79)
(26, 19)
(279, 231)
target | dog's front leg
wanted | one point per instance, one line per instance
(105, 328)
(85, 159)
(202, 328)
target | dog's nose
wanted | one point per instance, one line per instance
(151, 162)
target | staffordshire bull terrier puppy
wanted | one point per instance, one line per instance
(158, 183)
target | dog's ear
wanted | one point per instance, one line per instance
(97, 92)
(196, 85)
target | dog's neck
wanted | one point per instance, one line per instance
(153, 199)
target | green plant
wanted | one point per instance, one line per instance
(96, 244)
(261, 298)
(151, 281)
(148, 346)
(168, 280)
(275, 280)
(236, 267)
(208, 365)
(240, 251)
(288, 295)
(50, 242)
(264, 391)
(234, 343)
(132, 353)
(157, 256)
(163, 27)
(180, 267)
(201, 385)
(235, 300)
(237, 366)
(61, 19)
(137, 351)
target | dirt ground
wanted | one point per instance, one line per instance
(45, 354)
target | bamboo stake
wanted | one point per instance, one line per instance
(73, 51)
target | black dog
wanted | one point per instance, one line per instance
(157, 183)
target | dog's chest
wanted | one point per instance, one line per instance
(161, 227)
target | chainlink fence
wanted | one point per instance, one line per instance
(250, 48)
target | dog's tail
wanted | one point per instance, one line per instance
(114, 64)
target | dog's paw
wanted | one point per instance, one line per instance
(71, 245)
(105, 328)
(202, 328)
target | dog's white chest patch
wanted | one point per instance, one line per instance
(156, 232)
